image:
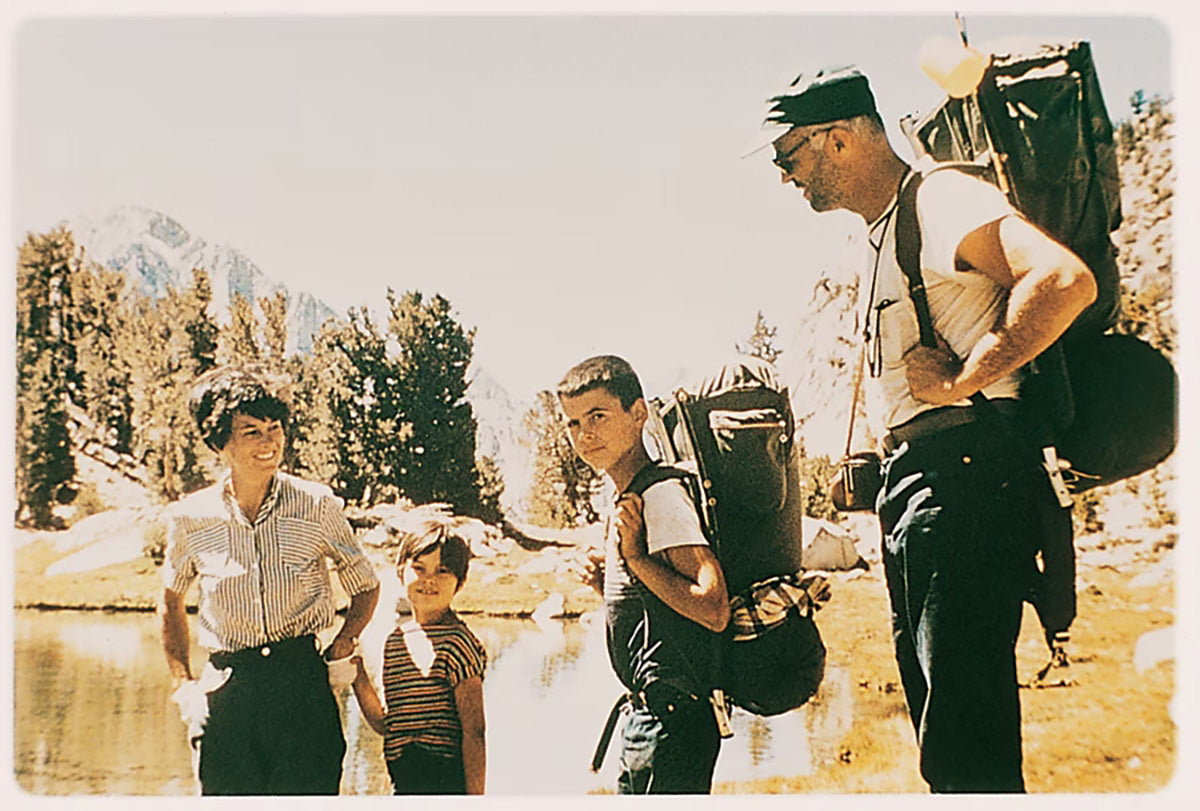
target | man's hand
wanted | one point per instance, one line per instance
(631, 529)
(932, 374)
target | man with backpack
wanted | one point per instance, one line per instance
(966, 502)
(664, 590)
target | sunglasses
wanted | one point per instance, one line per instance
(784, 161)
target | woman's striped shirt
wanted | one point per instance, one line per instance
(264, 581)
(421, 668)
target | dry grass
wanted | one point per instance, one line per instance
(1107, 731)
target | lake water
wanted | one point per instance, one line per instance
(93, 715)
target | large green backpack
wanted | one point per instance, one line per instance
(1037, 127)
(729, 439)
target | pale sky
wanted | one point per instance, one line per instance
(572, 184)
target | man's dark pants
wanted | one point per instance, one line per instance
(273, 727)
(669, 747)
(962, 513)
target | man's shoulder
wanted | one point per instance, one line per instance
(955, 185)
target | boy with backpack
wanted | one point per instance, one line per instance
(433, 724)
(966, 502)
(664, 590)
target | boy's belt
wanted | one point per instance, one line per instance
(658, 697)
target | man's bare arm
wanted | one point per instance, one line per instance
(1048, 286)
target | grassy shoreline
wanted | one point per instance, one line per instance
(495, 586)
(1103, 726)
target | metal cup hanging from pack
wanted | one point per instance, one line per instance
(858, 478)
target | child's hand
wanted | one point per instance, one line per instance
(631, 530)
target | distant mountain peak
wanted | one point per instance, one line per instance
(156, 251)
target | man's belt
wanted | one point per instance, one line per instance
(936, 420)
(285, 650)
(933, 421)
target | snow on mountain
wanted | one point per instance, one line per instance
(156, 252)
(501, 435)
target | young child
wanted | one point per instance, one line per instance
(433, 725)
(664, 590)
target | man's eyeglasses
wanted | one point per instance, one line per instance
(784, 161)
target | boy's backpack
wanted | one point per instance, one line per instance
(1037, 127)
(730, 441)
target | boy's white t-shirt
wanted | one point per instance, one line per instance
(671, 521)
(670, 517)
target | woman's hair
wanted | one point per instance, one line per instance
(227, 390)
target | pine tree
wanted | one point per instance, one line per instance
(361, 384)
(313, 438)
(490, 486)
(438, 462)
(239, 341)
(761, 343)
(274, 309)
(399, 415)
(167, 441)
(45, 462)
(47, 375)
(202, 330)
(562, 488)
(103, 317)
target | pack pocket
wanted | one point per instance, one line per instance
(752, 451)
(774, 660)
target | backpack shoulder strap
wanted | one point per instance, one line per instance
(908, 242)
(908, 256)
(654, 473)
(908, 247)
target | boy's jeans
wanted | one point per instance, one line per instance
(669, 751)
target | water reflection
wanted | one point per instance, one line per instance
(93, 714)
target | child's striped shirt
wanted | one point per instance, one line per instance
(421, 667)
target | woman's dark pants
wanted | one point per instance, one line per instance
(273, 727)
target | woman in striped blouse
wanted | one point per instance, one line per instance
(433, 722)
